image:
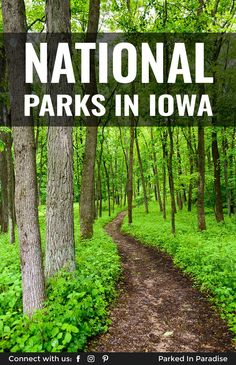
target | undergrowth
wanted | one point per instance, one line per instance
(77, 303)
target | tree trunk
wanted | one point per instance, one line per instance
(201, 179)
(231, 174)
(156, 174)
(141, 173)
(164, 157)
(225, 148)
(25, 165)
(191, 169)
(87, 184)
(108, 188)
(171, 181)
(182, 194)
(10, 189)
(130, 176)
(216, 159)
(4, 185)
(3, 154)
(60, 250)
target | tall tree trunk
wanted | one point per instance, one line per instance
(3, 154)
(87, 184)
(141, 173)
(78, 161)
(216, 159)
(156, 174)
(171, 180)
(182, 193)
(231, 174)
(41, 167)
(113, 188)
(225, 148)
(164, 159)
(25, 164)
(201, 179)
(108, 188)
(10, 189)
(60, 250)
(4, 185)
(191, 169)
(130, 176)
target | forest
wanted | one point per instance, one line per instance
(115, 238)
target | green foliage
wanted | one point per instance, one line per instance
(208, 257)
(2, 146)
(77, 303)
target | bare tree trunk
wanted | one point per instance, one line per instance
(225, 148)
(130, 176)
(141, 173)
(191, 169)
(10, 189)
(164, 158)
(4, 186)
(113, 188)
(3, 154)
(25, 165)
(171, 181)
(60, 251)
(216, 159)
(201, 179)
(231, 174)
(108, 188)
(87, 184)
(156, 174)
(41, 167)
(182, 194)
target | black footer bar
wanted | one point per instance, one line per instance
(118, 358)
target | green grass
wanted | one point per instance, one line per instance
(77, 303)
(208, 257)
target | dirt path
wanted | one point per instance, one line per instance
(158, 309)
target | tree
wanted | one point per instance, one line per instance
(201, 179)
(141, 172)
(25, 166)
(130, 173)
(3, 184)
(60, 250)
(87, 184)
(216, 159)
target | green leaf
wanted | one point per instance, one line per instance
(67, 338)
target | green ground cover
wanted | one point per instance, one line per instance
(77, 304)
(208, 257)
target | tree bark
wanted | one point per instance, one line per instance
(190, 188)
(108, 188)
(225, 148)
(87, 184)
(10, 189)
(141, 173)
(171, 181)
(130, 176)
(25, 165)
(60, 250)
(216, 159)
(164, 158)
(156, 174)
(4, 186)
(182, 192)
(3, 154)
(201, 179)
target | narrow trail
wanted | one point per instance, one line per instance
(158, 309)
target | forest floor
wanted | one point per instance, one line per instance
(158, 309)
